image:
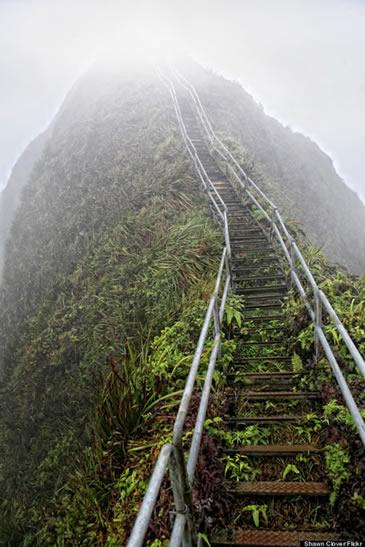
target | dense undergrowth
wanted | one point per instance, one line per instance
(111, 244)
(328, 424)
(344, 451)
(295, 172)
(109, 269)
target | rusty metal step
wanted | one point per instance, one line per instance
(257, 301)
(265, 318)
(259, 239)
(254, 331)
(273, 449)
(256, 296)
(267, 387)
(239, 226)
(284, 374)
(270, 379)
(291, 395)
(269, 306)
(262, 358)
(256, 270)
(263, 344)
(260, 255)
(259, 278)
(270, 538)
(264, 420)
(272, 289)
(277, 488)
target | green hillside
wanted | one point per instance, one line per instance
(289, 167)
(111, 241)
(107, 272)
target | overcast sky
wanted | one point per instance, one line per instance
(303, 60)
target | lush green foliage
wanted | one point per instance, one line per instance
(294, 172)
(104, 257)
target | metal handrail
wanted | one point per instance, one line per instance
(207, 184)
(292, 255)
(171, 455)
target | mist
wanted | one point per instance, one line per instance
(303, 61)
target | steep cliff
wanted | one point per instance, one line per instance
(291, 168)
(111, 243)
(10, 196)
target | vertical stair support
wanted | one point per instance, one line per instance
(292, 263)
(182, 497)
(217, 322)
(217, 325)
(274, 214)
(228, 244)
(317, 322)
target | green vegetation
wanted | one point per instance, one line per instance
(290, 168)
(107, 279)
(257, 511)
(337, 461)
(334, 428)
(109, 269)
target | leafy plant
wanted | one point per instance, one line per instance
(297, 363)
(289, 469)
(257, 512)
(233, 310)
(237, 468)
(358, 500)
(337, 462)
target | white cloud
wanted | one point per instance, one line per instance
(303, 61)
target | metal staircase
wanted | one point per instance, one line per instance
(253, 263)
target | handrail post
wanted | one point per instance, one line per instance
(273, 222)
(228, 246)
(217, 323)
(292, 262)
(182, 493)
(317, 322)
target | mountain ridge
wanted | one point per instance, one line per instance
(235, 113)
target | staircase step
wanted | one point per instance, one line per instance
(239, 271)
(272, 289)
(272, 375)
(292, 395)
(256, 300)
(273, 449)
(254, 331)
(270, 538)
(264, 344)
(262, 297)
(262, 358)
(277, 488)
(268, 305)
(237, 420)
(261, 379)
(259, 240)
(258, 278)
(265, 318)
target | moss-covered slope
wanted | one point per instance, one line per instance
(111, 239)
(291, 168)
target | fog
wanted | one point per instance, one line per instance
(302, 60)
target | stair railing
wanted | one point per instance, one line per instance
(171, 455)
(315, 301)
(218, 206)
